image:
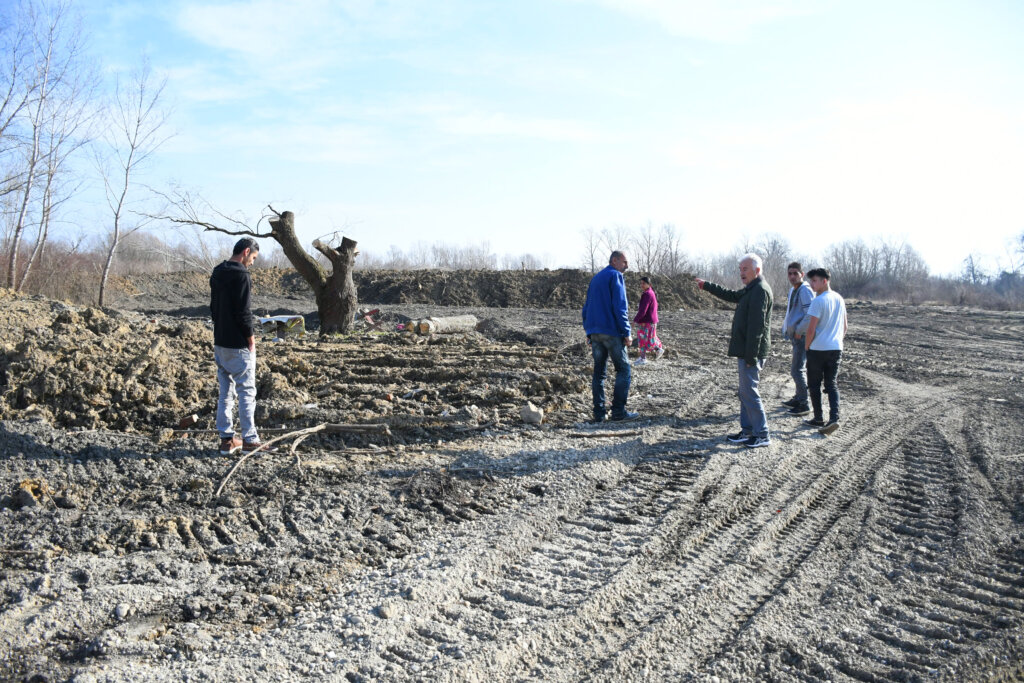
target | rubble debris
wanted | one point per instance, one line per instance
(531, 414)
(284, 326)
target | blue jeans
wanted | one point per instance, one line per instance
(752, 417)
(605, 346)
(798, 370)
(236, 374)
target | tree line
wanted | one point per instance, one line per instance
(884, 269)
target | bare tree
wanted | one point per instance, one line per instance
(644, 244)
(591, 247)
(134, 135)
(17, 87)
(66, 132)
(973, 272)
(334, 291)
(615, 238)
(56, 58)
(672, 259)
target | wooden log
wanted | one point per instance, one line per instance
(446, 325)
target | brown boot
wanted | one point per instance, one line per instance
(229, 446)
(250, 446)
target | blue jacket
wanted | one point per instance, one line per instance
(606, 310)
(796, 311)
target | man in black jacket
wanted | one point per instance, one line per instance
(234, 346)
(750, 342)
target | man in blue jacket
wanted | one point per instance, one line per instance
(606, 322)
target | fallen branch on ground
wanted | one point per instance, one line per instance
(301, 434)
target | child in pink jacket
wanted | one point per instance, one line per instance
(647, 323)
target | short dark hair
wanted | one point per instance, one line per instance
(245, 243)
(795, 264)
(645, 279)
(615, 254)
(820, 272)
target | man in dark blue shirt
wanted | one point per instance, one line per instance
(606, 322)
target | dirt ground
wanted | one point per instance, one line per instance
(469, 546)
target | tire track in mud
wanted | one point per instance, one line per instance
(970, 597)
(588, 577)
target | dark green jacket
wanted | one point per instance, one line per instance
(751, 324)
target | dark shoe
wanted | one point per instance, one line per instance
(830, 427)
(792, 403)
(815, 422)
(625, 417)
(229, 446)
(738, 437)
(758, 442)
(596, 420)
(250, 446)
(799, 409)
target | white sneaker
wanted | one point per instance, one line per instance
(661, 352)
(640, 361)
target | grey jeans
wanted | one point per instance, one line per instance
(798, 370)
(236, 374)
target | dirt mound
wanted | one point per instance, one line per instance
(86, 368)
(547, 289)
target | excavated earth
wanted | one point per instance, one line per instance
(469, 546)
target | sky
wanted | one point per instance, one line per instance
(524, 123)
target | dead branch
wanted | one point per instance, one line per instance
(263, 447)
(303, 433)
(328, 428)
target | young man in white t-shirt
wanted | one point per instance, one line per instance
(824, 344)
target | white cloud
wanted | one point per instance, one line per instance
(717, 21)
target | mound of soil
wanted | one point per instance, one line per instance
(539, 289)
(87, 368)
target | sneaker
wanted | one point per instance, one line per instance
(596, 420)
(799, 409)
(640, 361)
(229, 446)
(758, 442)
(738, 437)
(625, 417)
(792, 403)
(661, 352)
(815, 422)
(250, 446)
(830, 427)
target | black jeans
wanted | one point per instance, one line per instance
(824, 365)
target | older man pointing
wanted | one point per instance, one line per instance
(749, 343)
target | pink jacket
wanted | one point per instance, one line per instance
(648, 312)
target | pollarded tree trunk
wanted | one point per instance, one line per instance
(335, 293)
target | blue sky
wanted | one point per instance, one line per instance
(523, 123)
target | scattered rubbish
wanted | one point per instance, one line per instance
(188, 421)
(365, 319)
(283, 326)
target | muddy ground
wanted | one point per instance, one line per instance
(469, 546)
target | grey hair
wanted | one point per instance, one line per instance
(754, 259)
(615, 254)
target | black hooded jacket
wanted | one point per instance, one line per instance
(230, 301)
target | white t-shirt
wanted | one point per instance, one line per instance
(830, 310)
